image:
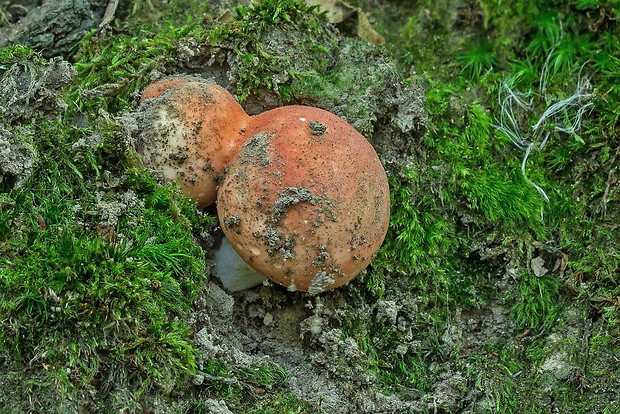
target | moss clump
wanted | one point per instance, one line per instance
(98, 264)
(280, 49)
(16, 53)
(276, 45)
(111, 70)
(468, 229)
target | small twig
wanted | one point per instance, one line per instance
(214, 378)
(19, 6)
(610, 179)
(108, 16)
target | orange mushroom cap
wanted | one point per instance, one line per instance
(157, 88)
(306, 201)
(196, 128)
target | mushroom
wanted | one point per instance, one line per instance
(306, 200)
(303, 197)
(194, 129)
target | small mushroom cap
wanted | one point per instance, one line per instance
(306, 201)
(157, 88)
(194, 130)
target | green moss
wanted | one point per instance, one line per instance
(266, 14)
(17, 53)
(476, 58)
(466, 195)
(109, 72)
(538, 304)
(83, 298)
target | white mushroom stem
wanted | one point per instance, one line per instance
(234, 273)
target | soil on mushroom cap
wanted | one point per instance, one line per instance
(191, 129)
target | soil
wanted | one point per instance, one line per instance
(268, 324)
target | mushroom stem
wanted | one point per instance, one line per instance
(234, 273)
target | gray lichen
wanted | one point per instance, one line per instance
(32, 91)
(17, 158)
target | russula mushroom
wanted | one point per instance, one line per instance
(302, 197)
(306, 200)
(194, 130)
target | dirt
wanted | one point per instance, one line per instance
(317, 128)
(271, 325)
(302, 334)
(159, 124)
(256, 149)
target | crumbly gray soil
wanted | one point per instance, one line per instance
(34, 91)
(268, 324)
(53, 27)
(255, 150)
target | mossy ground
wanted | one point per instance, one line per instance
(99, 263)
(466, 209)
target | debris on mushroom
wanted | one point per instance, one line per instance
(195, 129)
(157, 88)
(306, 200)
